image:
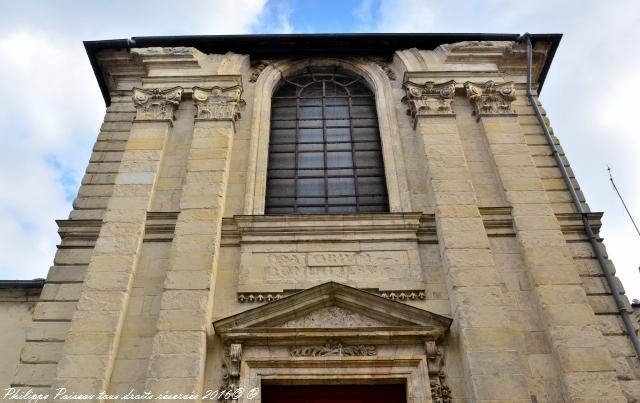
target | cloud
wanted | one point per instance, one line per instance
(589, 94)
(53, 109)
(275, 18)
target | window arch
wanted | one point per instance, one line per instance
(324, 150)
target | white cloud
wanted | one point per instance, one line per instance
(590, 93)
(405, 16)
(52, 107)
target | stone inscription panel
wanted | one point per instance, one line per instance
(264, 270)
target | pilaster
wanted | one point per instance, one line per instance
(488, 345)
(178, 355)
(579, 348)
(91, 344)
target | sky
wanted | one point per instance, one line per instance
(51, 109)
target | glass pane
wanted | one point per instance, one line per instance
(373, 209)
(282, 135)
(333, 89)
(357, 122)
(287, 90)
(333, 112)
(311, 201)
(283, 124)
(372, 186)
(310, 187)
(338, 134)
(339, 160)
(311, 160)
(339, 147)
(313, 90)
(302, 173)
(342, 200)
(311, 101)
(378, 171)
(363, 111)
(365, 134)
(311, 210)
(281, 201)
(368, 159)
(310, 112)
(283, 113)
(358, 88)
(339, 172)
(276, 102)
(341, 186)
(332, 101)
(281, 160)
(280, 187)
(358, 101)
(310, 123)
(311, 147)
(279, 210)
(342, 209)
(338, 122)
(310, 136)
(281, 173)
(278, 148)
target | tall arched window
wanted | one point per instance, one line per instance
(324, 149)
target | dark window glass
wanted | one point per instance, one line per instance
(324, 150)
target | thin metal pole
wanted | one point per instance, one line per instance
(631, 332)
(622, 200)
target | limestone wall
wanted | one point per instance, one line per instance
(16, 308)
(168, 233)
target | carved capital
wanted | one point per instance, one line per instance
(440, 392)
(429, 99)
(156, 103)
(491, 98)
(218, 103)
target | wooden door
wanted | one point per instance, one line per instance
(334, 393)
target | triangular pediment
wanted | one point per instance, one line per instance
(333, 307)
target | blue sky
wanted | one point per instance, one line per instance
(51, 107)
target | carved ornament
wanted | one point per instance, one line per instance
(156, 103)
(386, 68)
(482, 44)
(218, 103)
(261, 65)
(231, 360)
(333, 348)
(491, 98)
(429, 99)
(332, 317)
(440, 392)
(262, 297)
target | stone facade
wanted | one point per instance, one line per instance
(479, 284)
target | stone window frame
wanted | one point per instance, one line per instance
(392, 154)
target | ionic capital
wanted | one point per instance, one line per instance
(218, 103)
(491, 98)
(429, 99)
(156, 103)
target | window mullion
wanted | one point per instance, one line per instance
(324, 148)
(295, 157)
(353, 156)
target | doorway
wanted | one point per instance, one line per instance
(395, 393)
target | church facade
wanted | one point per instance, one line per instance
(363, 215)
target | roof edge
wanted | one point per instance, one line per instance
(307, 45)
